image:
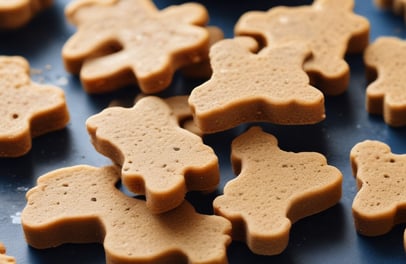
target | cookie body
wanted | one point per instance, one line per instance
(158, 157)
(81, 204)
(386, 94)
(397, 6)
(268, 86)
(381, 198)
(329, 27)
(17, 13)
(4, 259)
(123, 42)
(274, 189)
(27, 109)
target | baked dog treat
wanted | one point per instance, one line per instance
(380, 175)
(27, 109)
(385, 64)
(81, 204)
(268, 86)
(4, 259)
(123, 42)
(329, 27)
(274, 189)
(158, 157)
(17, 13)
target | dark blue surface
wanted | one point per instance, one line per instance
(328, 237)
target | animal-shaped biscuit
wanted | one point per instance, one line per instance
(158, 157)
(27, 109)
(4, 259)
(381, 198)
(274, 189)
(121, 42)
(386, 95)
(17, 13)
(268, 86)
(81, 204)
(329, 27)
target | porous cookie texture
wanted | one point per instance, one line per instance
(123, 42)
(4, 259)
(246, 86)
(81, 204)
(329, 27)
(27, 109)
(381, 198)
(17, 13)
(274, 189)
(386, 94)
(158, 157)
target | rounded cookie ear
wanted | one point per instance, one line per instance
(337, 4)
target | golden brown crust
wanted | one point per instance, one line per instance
(274, 189)
(158, 158)
(268, 86)
(27, 109)
(135, 43)
(329, 27)
(379, 203)
(385, 60)
(81, 204)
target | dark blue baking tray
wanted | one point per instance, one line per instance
(328, 237)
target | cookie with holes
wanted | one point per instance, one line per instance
(274, 189)
(329, 27)
(125, 42)
(380, 175)
(248, 85)
(81, 204)
(27, 109)
(386, 94)
(17, 13)
(158, 157)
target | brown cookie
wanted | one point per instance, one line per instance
(122, 42)
(268, 86)
(27, 109)
(385, 65)
(17, 13)
(4, 259)
(329, 27)
(274, 189)
(158, 157)
(81, 204)
(380, 175)
(397, 6)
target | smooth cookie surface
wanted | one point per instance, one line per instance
(274, 189)
(17, 13)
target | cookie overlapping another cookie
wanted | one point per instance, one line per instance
(116, 40)
(158, 157)
(27, 109)
(81, 204)
(329, 27)
(274, 189)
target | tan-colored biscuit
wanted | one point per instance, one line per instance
(385, 65)
(158, 157)
(122, 42)
(81, 204)
(268, 86)
(27, 109)
(397, 6)
(380, 174)
(4, 259)
(17, 13)
(329, 27)
(202, 70)
(274, 189)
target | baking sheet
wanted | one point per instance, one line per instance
(328, 237)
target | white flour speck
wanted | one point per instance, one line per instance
(16, 218)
